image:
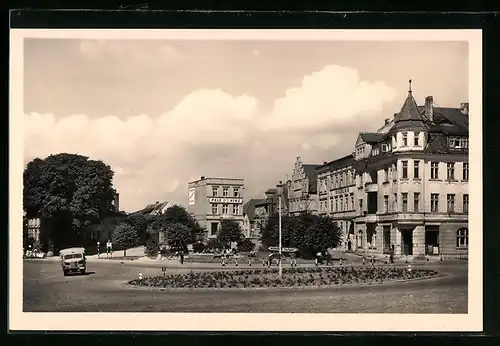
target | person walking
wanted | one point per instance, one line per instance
(109, 248)
(182, 257)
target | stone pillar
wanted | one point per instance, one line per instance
(419, 241)
(396, 241)
(379, 242)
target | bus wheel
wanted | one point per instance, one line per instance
(65, 272)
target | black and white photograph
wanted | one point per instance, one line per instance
(279, 179)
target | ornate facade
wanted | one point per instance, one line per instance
(302, 188)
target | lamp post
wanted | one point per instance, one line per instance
(280, 191)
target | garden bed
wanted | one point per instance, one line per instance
(293, 277)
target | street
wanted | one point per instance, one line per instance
(102, 290)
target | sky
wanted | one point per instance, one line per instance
(164, 112)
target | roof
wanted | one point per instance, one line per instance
(271, 191)
(371, 137)
(72, 250)
(449, 120)
(312, 175)
(154, 209)
(345, 161)
(409, 117)
(249, 207)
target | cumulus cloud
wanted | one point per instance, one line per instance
(211, 132)
(141, 51)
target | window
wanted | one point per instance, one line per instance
(434, 202)
(385, 148)
(404, 196)
(416, 169)
(395, 203)
(213, 228)
(450, 168)
(386, 175)
(394, 173)
(416, 201)
(224, 208)
(352, 201)
(405, 139)
(336, 181)
(342, 179)
(225, 192)
(215, 210)
(465, 171)
(336, 204)
(462, 238)
(236, 191)
(215, 190)
(360, 204)
(416, 139)
(434, 170)
(458, 142)
(386, 203)
(346, 201)
(466, 203)
(405, 169)
(235, 209)
(450, 198)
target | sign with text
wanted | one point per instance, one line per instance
(224, 200)
(283, 249)
(192, 198)
(341, 191)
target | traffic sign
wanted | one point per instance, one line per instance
(283, 249)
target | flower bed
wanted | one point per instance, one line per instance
(293, 277)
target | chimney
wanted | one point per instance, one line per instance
(324, 162)
(202, 177)
(464, 108)
(117, 202)
(387, 121)
(395, 114)
(429, 108)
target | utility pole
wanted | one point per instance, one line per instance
(280, 190)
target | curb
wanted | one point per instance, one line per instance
(242, 289)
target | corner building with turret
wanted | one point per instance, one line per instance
(410, 185)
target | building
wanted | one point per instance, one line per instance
(155, 209)
(336, 189)
(256, 212)
(412, 182)
(212, 200)
(302, 188)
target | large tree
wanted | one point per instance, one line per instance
(140, 223)
(124, 237)
(179, 214)
(307, 232)
(230, 231)
(68, 192)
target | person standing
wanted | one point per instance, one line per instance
(109, 249)
(182, 257)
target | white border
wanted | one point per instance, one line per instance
(18, 320)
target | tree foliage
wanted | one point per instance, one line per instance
(152, 248)
(230, 231)
(124, 237)
(246, 245)
(179, 214)
(69, 191)
(307, 232)
(140, 223)
(178, 236)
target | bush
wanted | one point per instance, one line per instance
(214, 243)
(198, 247)
(246, 245)
(152, 247)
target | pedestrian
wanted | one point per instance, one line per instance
(250, 262)
(109, 248)
(236, 261)
(223, 262)
(263, 262)
(391, 257)
(364, 260)
(316, 261)
(182, 257)
(373, 261)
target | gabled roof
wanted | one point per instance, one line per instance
(154, 209)
(312, 174)
(249, 207)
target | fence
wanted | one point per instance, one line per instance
(454, 256)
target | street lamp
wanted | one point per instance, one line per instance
(280, 191)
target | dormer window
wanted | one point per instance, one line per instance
(405, 139)
(458, 142)
(416, 139)
(385, 148)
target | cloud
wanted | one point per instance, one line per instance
(213, 133)
(140, 51)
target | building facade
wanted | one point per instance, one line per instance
(302, 189)
(212, 200)
(412, 182)
(337, 196)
